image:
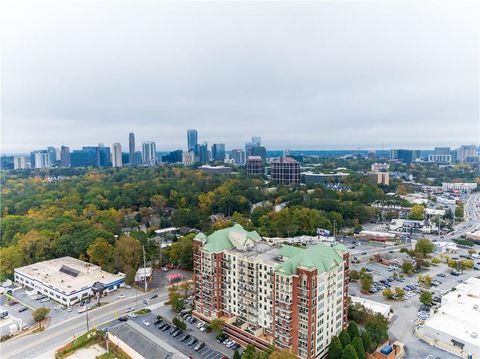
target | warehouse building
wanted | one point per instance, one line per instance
(67, 280)
(455, 326)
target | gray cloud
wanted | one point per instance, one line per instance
(301, 75)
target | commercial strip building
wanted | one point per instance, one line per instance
(377, 236)
(67, 280)
(455, 326)
(267, 294)
(215, 169)
(311, 177)
(461, 187)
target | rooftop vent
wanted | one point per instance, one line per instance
(70, 271)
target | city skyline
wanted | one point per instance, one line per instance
(379, 74)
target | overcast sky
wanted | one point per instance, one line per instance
(328, 75)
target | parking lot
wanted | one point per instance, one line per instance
(408, 313)
(185, 342)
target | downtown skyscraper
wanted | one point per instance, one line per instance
(192, 139)
(131, 149)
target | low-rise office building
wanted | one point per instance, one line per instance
(455, 326)
(377, 236)
(215, 169)
(67, 280)
(460, 187)
(288, 296)
(311, 177)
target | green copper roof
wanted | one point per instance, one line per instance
(228, 238)
(321, 257)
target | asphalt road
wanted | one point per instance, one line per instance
(44, 344)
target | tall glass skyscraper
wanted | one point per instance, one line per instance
(218, 152)
(192, 139)
(149, 153)
(131, 149)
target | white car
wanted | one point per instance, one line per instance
(121, 296)
(44, 300)
(200, 324)
(129, 309)
(132, 315)
(203, 328)
(146, 323)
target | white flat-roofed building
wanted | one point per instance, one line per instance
(455, 326)
(376, 307)
(461, 187)
(67, 280)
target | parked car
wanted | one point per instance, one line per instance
(121, 296)
(199, 346)
(157, 321)
(177, 333)
(146, 322)
(123, 319)
(132, 315)
(185, 337)
(166, 327)
(22, 309)
(154, 296)
(200, 324)
(192, 341)
(221, 337)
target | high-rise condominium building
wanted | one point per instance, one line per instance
(238, 156)
(40, 159)
(282, 295)
(52, 155)
(201, 151)
(117, 155)
(192, 139)
(466, 153)
(65, 156)
(19, 162)
(218, 152)
(188, 158)
(131, 149)
(254, 166)
(149, 153)
(285, 170)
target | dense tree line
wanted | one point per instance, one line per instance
(81, 213)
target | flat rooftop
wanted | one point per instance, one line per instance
(459, 314)
(68, 274)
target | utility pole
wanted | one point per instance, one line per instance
(334, 227)
(144, 270)
(88, 324)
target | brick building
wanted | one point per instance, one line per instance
(282, 295)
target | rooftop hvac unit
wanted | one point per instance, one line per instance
(474, 335)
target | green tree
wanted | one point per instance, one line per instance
(426, 298)
(354, 275)
(40, 314)
(353, 329)
(10, 258)
(249, 352)
(127, 254)
(387, 293)
(366, 340)
(424, 246)
(417, 212)
(180, 324)
(217, 326)
(236, 355)
(366, 282)
(349, 352)
(282, 354)
(377, 327)
(344, 338)
(407, 267)
(435, 261)
(358, 344)
(181, 252)
(399, 293)
(101, 253)
(335, 349)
